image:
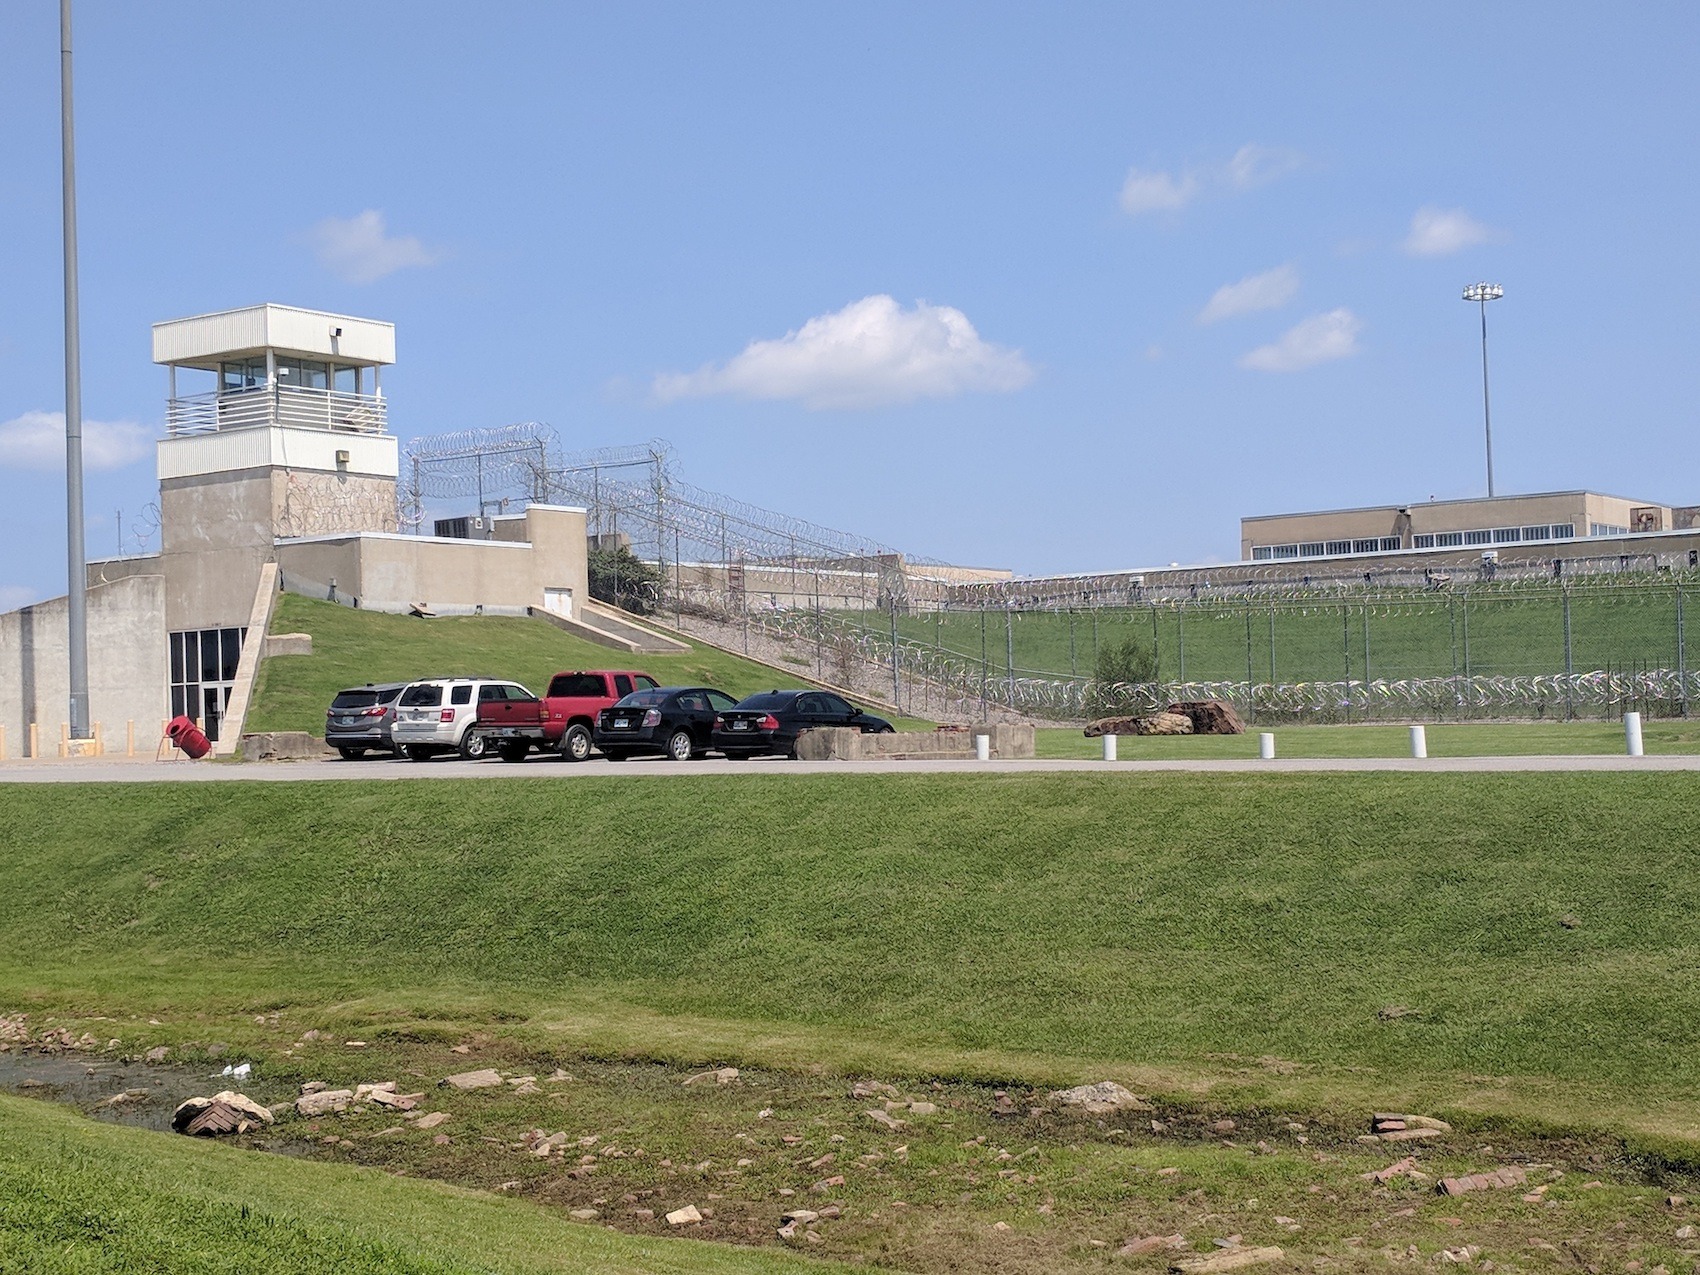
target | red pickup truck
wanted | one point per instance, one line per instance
(562, 720)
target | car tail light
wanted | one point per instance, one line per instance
(768, 722)
(719, 722)
(379, 711)
(652, 717)
(447, 715)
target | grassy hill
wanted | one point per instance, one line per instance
(1536, 931)
(1514, 629)
(87, 1198)
(352, 647)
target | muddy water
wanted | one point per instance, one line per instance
(90, 1082)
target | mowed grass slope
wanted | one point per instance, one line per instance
(354, 647)
(1535, 932)
(80, 1197)
(1472, 739)
(1513, 630)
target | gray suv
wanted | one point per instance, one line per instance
(361, 718)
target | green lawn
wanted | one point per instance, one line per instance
(1539, 928)
(79, 1198)
(353, 647)
(1514, 629)
(1495, 739)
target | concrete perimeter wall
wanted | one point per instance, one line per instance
(127, 666)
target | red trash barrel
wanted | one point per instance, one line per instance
(183, 732)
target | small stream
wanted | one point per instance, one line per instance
(91, 1082)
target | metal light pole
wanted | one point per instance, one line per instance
(1481, 294)
(76, 614)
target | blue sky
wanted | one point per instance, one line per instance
(1063, 287)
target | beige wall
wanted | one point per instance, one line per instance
(393, 572)
(1580, 509)
(127, 666)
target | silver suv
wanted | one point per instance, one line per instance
(433, 716)
(362, 717)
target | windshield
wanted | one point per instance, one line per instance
(768, 700)
(355, 699)
(642, 699)
(424, 695)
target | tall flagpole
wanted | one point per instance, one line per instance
(77, 635)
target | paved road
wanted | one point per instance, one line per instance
(146, 770)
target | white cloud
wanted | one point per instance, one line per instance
(1254, 165)
(1318, 339)
(1157, 192)
(1151, 190)
(1440, 232)
(871, 353)
(360, 250)
(1267, 291)
(36, 440)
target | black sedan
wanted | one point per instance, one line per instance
(675, 721)
(770, 722)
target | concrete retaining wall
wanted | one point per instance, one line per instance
(841, 743)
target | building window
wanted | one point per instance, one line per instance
(203, 673)
(249, 374)
(1390, 543)
(1423, 540)
(1339, 546)
(1365, 546)
(1606, 529)
(1478, 537)
(1313, 549)
(1259, 553)
(1448, 539)
(1561, 531)
(1286, 551)
(1506, 535)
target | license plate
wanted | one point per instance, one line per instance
(620, 723)
(345, 721)
(739, 725)
(507, 732)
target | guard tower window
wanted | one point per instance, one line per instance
(248, 374)
(304, 373)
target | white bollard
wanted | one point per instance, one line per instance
(1109, 748)
(1419, 741)
(982, 748)
(1632, 733)
(1266, 745)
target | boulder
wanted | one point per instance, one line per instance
(1165, 723)
(226, 1112)
(485, 1078)
(1100, 1099)
(1209, 716)
(323, 1102)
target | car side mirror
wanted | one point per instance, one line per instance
(854, 711)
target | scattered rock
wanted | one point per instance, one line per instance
(129, 1095)
(1388, 1013)
(874, 1089)
(432, 1120)
(1499, 1179)
(441, 1140)
(923, 1108)
(720, 1076)
(804, 1216)
(1151, 1244)
(884, 1119)
(1209, 716)
(226, 1112)
(685, 1216)
(156, 1054)
(826, 1184)
(323, 1102)
(482, 1079)
(1569, 922)
(460, 1049)
(1100, 1099)
(586, 1215)
(1229, 1259)
(1397, 1169)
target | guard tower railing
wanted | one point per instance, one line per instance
(295, 406)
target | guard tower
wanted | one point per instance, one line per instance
(282, 433)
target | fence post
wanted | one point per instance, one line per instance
(1346, 646)
(1180, 638)
(1250, 698)
(1569, 662)
(1009, 649)
(985, 669)
(1681, 656)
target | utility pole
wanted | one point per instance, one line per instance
(76, 612)
(1481, 294)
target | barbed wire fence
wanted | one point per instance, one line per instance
(1529, 637)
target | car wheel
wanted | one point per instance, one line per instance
(513, 752)
(886, 730)
(474, 745)
(351, 754)
(679, 746)
(416, 752)
(575, 744)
